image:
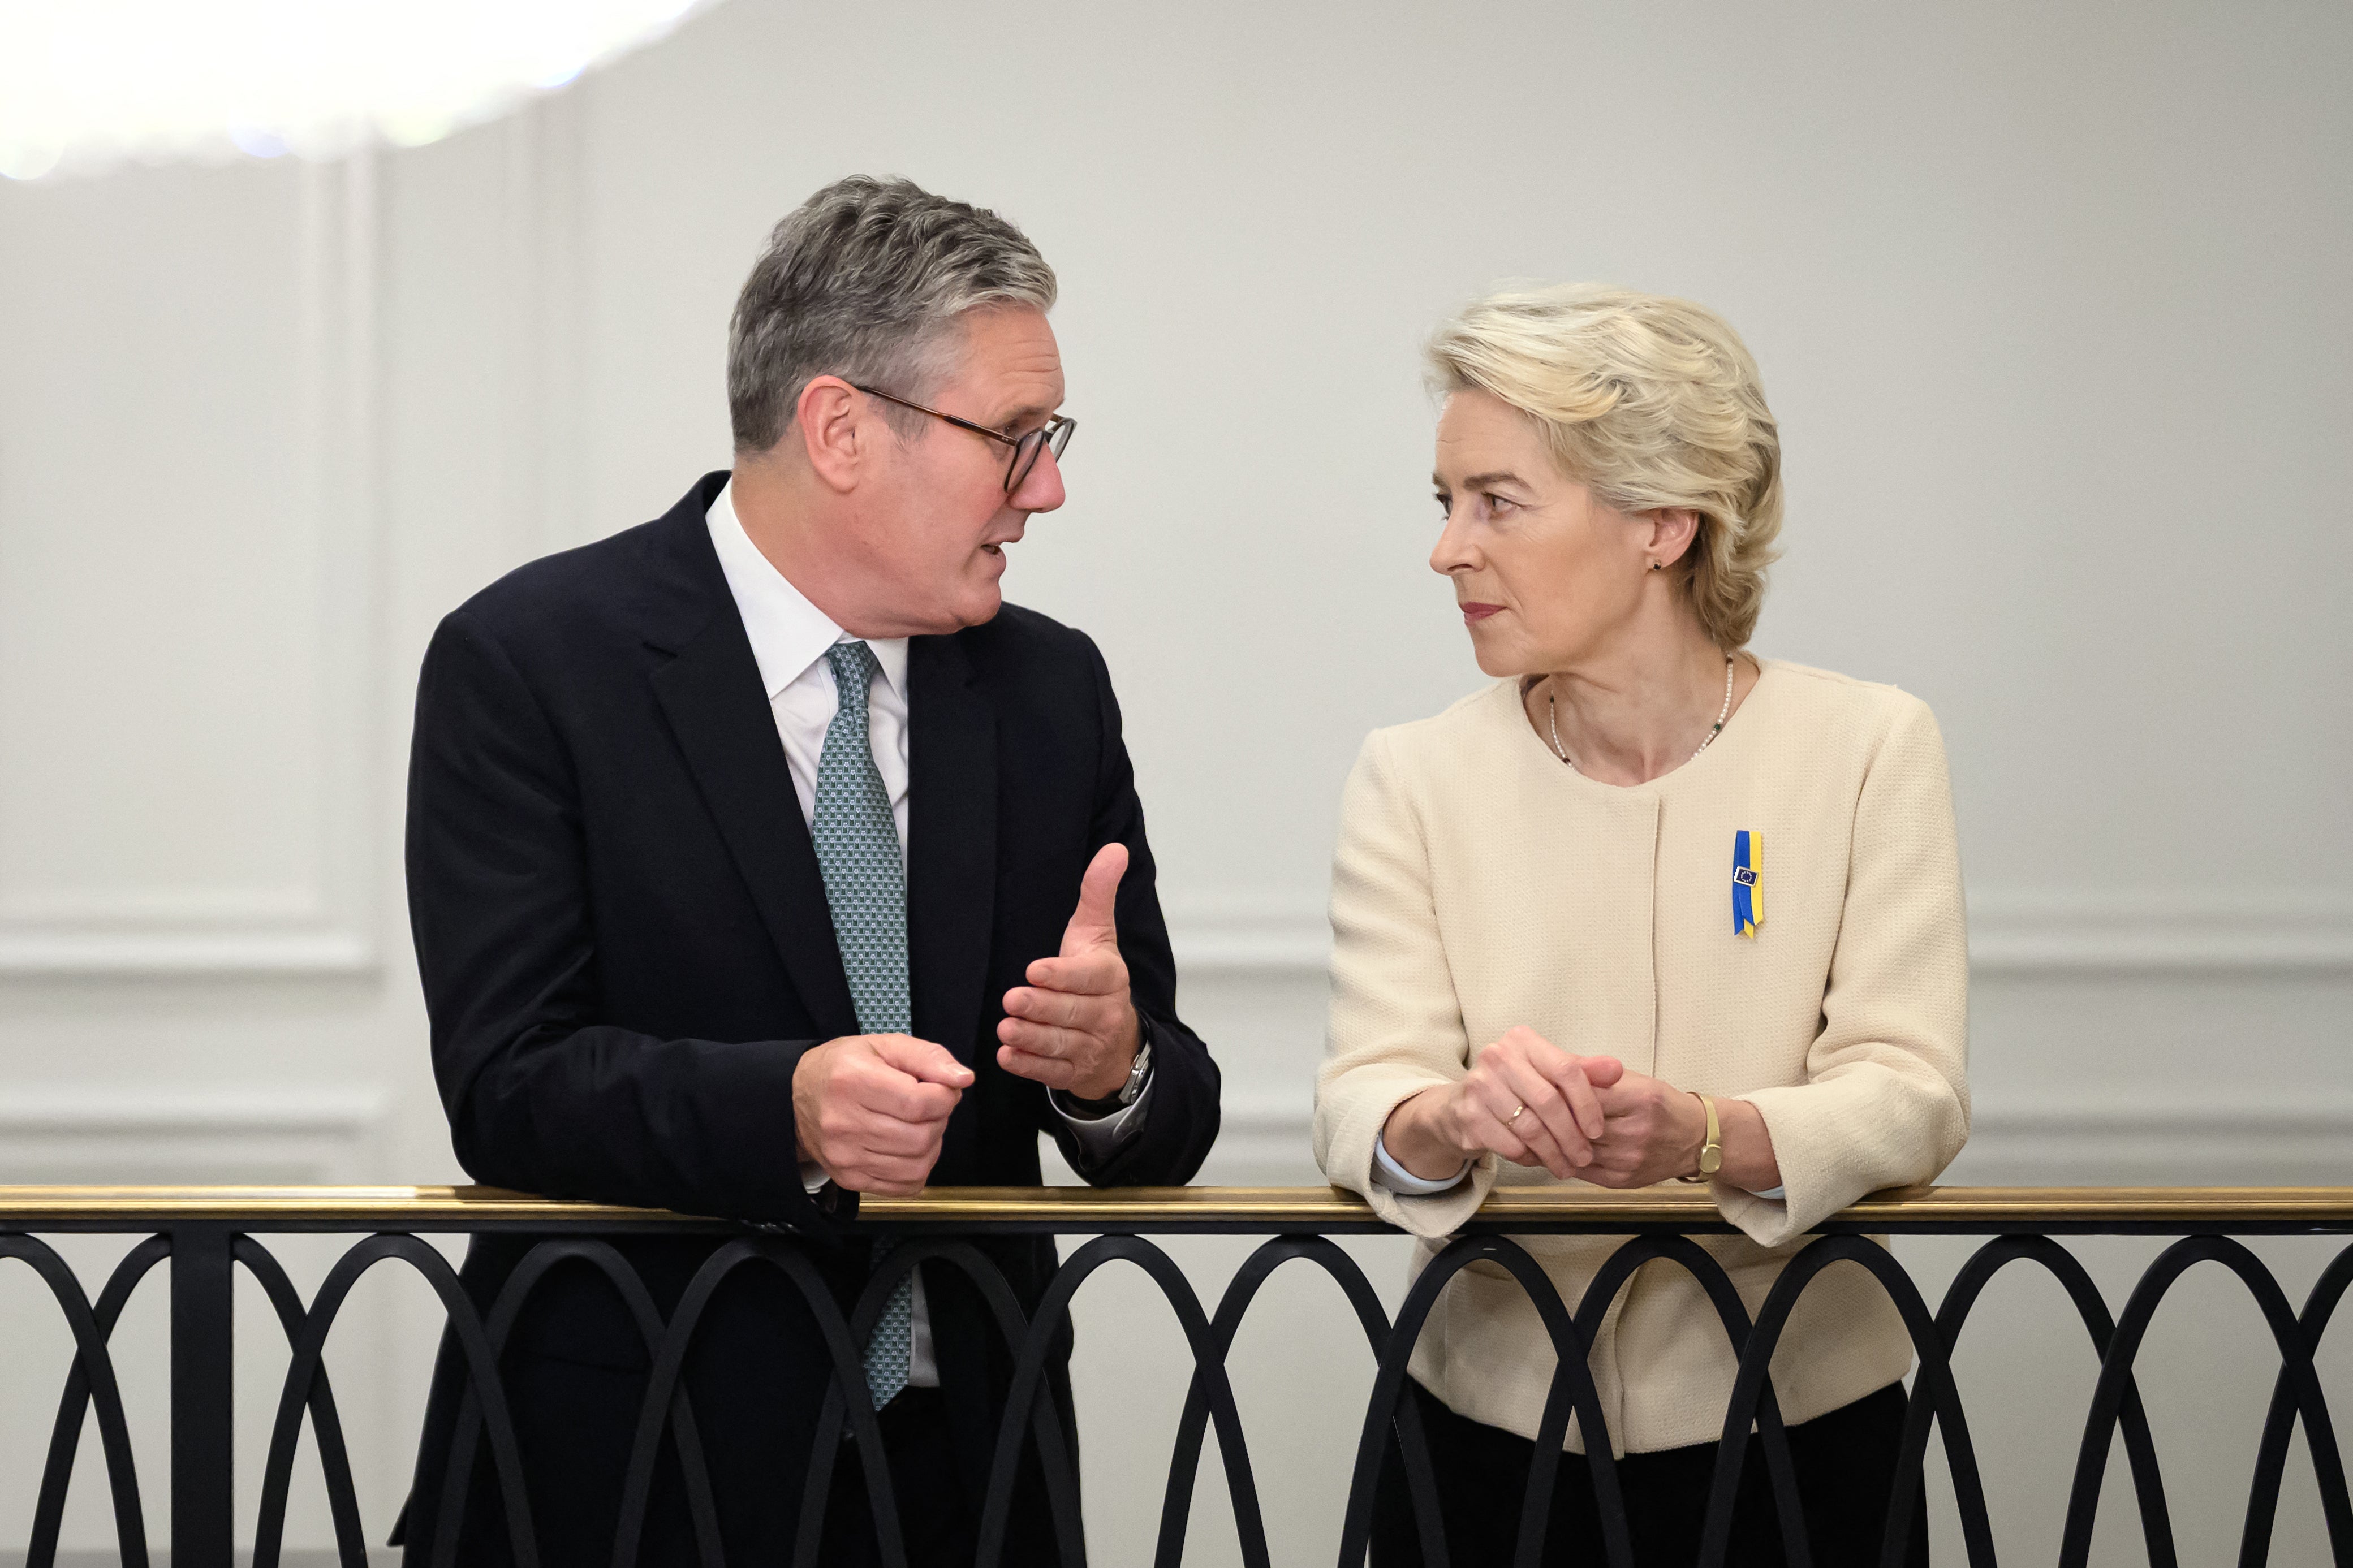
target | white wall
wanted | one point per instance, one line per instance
(2050, 301)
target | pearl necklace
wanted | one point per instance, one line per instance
(1552, 719)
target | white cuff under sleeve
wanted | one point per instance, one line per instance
(1397, 1179)
(1098, 1136)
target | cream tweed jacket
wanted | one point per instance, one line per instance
(1479, 884)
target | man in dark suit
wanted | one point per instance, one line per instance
(759, 857)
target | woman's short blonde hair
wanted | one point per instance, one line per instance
(1651, 403)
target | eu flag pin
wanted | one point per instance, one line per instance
(1747, 898)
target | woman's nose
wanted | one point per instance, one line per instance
(1454, 553)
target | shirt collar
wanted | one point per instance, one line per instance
(788, 634)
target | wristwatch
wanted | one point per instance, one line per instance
(1139, 1073)
(1711, 1152)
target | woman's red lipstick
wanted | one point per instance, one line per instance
(1475, 612)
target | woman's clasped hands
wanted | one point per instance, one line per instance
(1534, 1104)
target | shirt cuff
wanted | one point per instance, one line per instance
(1098, 1136)
(1770, 1195)
(1389, 1174)
(812, 1177)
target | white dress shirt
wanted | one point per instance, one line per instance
(789, 639)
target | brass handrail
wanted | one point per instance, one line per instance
(1118, 1208)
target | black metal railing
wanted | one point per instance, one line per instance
(208, 1233)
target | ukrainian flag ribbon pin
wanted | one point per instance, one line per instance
(1747, 898)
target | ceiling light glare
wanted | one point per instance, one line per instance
(86, 85)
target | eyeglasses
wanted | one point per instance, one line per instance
(1055, 435)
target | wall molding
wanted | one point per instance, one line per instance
(2274, 930)
(325, 925)
(110, 1136)
(2013, 934)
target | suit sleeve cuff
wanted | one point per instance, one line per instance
(1099, 1136)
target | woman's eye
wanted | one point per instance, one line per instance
(1496, 503)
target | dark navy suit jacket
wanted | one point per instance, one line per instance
(626, 949)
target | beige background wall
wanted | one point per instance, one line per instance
(2050, 301)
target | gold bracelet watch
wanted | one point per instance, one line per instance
(1711, 1152)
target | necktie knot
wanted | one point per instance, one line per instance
(853, 672)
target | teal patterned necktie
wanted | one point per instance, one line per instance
(866, 888)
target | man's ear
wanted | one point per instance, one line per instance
(835, 432)
(1672, 529)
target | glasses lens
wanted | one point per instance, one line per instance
(1025, 457)
(1054, 435)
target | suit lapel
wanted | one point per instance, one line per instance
(951, 842)
(717, 710)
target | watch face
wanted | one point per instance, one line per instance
(1136, 1073)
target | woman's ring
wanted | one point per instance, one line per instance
(1514, 1116)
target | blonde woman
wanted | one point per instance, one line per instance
(1645, 907)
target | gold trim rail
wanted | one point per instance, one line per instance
(1244, 1210)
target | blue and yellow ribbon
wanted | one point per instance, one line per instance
(1747, 898)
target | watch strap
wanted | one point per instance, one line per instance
(1711, 1149)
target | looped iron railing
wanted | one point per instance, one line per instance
(204, 1233)
(91, 1378)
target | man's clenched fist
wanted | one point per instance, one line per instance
(871, 1109)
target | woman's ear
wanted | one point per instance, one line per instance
(1673, 530)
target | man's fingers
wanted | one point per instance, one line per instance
(1044, 1040)
(888, 1135)
(888, 1175)
(1092, 923)
(1064, 1010)
(1052, 1071)
(1097, 971)
(902, 1098)
(923, 1059)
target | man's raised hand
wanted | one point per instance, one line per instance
(871, 1109)
(1073, 1027)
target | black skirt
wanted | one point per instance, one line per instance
(1845, 1463)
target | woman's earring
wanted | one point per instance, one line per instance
(1658, 565)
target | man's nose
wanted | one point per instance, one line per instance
(1041, 489)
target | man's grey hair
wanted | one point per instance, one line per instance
(866, 280)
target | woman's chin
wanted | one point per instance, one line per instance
(1495, 658)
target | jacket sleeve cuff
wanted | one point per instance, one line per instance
(1348, 1124)
(1388, 1172)
(1840, 1139)
(1099, 1137)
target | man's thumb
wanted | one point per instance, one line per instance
(1095, 919)
(923, 1059)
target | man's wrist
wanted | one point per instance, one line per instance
(804, 1106)
(1134, 1071)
